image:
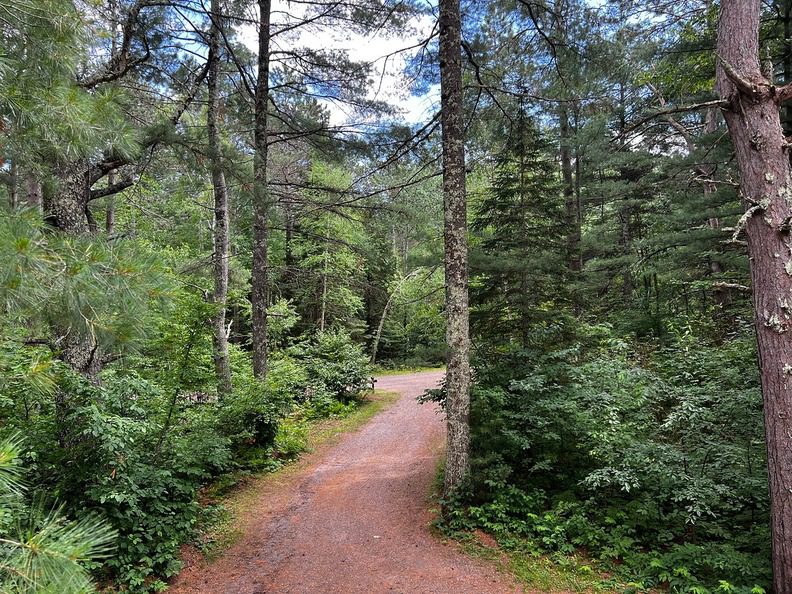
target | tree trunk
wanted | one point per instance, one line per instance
(625, 218)
(455, 233)
(385, 310)
(13, 187)
(65, 206)
(110, 208)
(221, 222)
(261, 198)
(33, 197)
(323, 305)
(762, 155)
(570, 199)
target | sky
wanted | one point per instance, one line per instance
(375, 50)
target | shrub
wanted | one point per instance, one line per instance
(337, 362)
(653, 463)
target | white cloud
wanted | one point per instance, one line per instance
(387, 54)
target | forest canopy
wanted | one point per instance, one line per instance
(219, 219)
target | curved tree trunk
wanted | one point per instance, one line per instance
(385, 310)
(221, 222)
(455, 232)
(752, 115)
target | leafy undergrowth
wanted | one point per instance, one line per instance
(225, 502)
(534, 570)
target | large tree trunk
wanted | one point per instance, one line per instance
(323, 301)
(754, 123)
(65, 208)
(221, 222)
(455, 232)
(65, 205)
(261, 198)
(33, 197)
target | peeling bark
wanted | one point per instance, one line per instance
(754, 124)
(455, 233)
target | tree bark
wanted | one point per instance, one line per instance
(261, 198)
(65, 206)
(32, 192)
(13, 187)
(456, 260)
(766, 189)
(323, 303)
(221, 221)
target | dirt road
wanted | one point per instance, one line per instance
(356, 520)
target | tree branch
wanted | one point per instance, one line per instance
(671, 110)
(112, 189)
(121, 63)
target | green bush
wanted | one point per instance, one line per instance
(292, 438)
(338, 363)
(653, 463)
(142, 475)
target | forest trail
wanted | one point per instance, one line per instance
(355, 519)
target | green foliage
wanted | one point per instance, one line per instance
(337, 363)
(292, 438)
(250, 415)
(518, 258)
(655, 465)
(99, 289)
(142, 479)
(42, 552)
(52, 119)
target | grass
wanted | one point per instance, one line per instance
(326, 430)
(226, 501)
(538, 572)
(567, 573)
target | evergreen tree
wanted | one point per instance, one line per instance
(518, 264)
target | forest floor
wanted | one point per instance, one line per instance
(354, 517)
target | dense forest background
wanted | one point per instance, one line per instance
(169, 165)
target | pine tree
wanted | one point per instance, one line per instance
(518, 265)
(456, 257)
(752, 115)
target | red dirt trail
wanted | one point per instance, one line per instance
(355, 520)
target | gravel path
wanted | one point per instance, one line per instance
(354, 520)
